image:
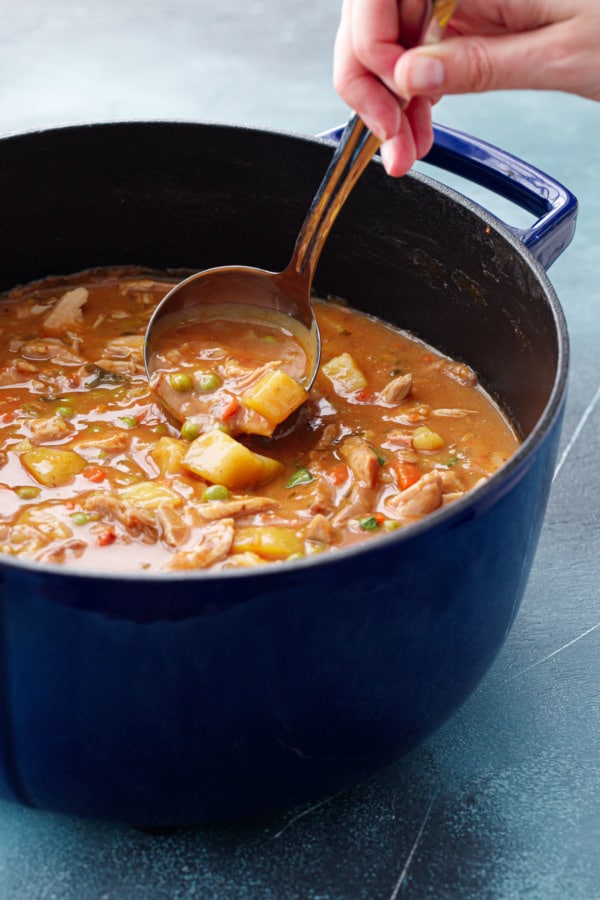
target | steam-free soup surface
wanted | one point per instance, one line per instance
(93, 474)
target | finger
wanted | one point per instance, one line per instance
(413, 141)
(473, 64)
(419, 116)
(399, 152)
(412, 17)
(375, 34)
(359, 88)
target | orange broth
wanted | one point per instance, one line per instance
(94, 474)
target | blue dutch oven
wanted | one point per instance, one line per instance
(196, 697)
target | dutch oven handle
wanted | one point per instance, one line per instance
(513, 179)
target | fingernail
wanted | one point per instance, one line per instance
(426, 73)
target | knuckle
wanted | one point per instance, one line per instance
(363, 50)
(479, 66)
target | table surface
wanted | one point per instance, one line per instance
(504, 801)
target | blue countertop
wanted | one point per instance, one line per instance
(504, 801)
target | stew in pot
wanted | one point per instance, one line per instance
(94, 474)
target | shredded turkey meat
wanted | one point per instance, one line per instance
(251, 471)
(213, 546)
(67, 311)
(362, 459)
(421, 498)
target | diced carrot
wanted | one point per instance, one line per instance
(379, 518)
(406, 473)
(106, 538)
(339, 474)
(94, 473)
(230, 409)
(363, 395)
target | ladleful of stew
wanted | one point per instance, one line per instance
(94, 474)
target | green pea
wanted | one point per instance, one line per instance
(215, 492)
(190, 430)
(65, 411)
(161, 429)
(208, 381)
(27, 492)
(128, 421)
(181, 381)
(80, 518)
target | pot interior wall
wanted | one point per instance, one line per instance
(167, 195)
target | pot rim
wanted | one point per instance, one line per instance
(474, 503)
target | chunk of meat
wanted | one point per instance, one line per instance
(423, 497)
(174, 530)
(397, 389)
(103, 504)
(399, 437)
(129, 346)
(71, 549)
(120, 366)
(245, 560)
(362, 459)
(450, 481)
(213, 546)
(49, 428)
(52, 350)
(459, 372)
(455, 413)
(323, 496)
(361, 501)
(24, 539)
(320, 529)
(241, 506)
(11, 374)
(66, 313)
(139, 522)
(136, 520)
(111, 441)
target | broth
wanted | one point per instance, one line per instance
(95, 475)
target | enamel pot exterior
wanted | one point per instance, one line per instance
(191, 698)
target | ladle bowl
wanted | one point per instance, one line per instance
(283, 299)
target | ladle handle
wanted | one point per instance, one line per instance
(354, 152)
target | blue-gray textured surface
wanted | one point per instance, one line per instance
(504, 802)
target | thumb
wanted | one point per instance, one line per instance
(462, 65)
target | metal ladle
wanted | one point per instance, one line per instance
(283, 299)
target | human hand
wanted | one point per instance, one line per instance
(489, 45)
(371, 37)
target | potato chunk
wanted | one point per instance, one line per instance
(149, 495)
(275, 396)
(345, 373)
(51, 466)
(167, 453)
(220, 459)
(267, 541)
